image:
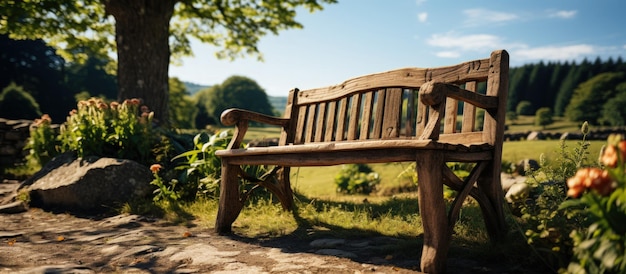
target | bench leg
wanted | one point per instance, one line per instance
(230, 203)
(433, 212)
(495, 221)
(286, 198)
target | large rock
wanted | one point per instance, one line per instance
(88, 184)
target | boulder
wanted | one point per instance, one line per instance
(526, 165)
(88, 184)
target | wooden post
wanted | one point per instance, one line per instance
(230, 202)
(432, 208)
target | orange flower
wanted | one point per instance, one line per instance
(114, 105)
(590, 178)
(135, 101)
(145, 109)
(575, 184)
(155, 168)
(609, 156)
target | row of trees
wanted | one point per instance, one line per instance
(552, 85)
(39, 81)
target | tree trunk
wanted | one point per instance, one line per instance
(143, 53)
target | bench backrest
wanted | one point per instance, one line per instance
(387, 106)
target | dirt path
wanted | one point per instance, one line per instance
(37, 241)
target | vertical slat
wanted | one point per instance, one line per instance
(366, 120)
(341, 119)
(300, 126)
(355, 111)
(410, 113)
(421, 119)
(330, 121)
(380, 114)
(393, 106)
(321, 119)
(449, 124)
(291, 110)
(469, 111)
(310, 123)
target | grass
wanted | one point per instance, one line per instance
(322, 212)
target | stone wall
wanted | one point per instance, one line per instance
(13, 137)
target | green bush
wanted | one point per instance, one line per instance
(542, 220)
(356, 179)
(16, 103)
(524, 108)
(543, 117)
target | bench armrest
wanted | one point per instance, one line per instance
(434, 94)
(240, 118)
(234, 115)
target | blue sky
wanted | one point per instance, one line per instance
(357, 37)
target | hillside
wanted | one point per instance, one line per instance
(277, 102)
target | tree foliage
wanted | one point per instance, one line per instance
(147, 32)
(182, 110)
(543, 117)
(614, 110)
(587, 101)
(552, 84)
(524, 108)
(15, 103)
(237, 92)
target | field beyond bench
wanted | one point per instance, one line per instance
(427, 115)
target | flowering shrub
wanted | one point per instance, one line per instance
(541, 220)
(112, 130)
(41, 144)
(601, 194)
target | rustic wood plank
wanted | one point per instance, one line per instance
(392, 113)
(379, 115)
(330, 121)
(355, 111)
(449, 124)
(366, 121)
(341, 119)
(321, 123)
(287, 135)
(469, 111)
(402, 78)
(310, 123)
(300, 126)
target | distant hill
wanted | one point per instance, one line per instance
(277, 102)
(193, 88)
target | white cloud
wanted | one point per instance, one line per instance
(471, 42)
(564, 14)
(420, 2)
(422, 16)
(484, 16)
(554, 52)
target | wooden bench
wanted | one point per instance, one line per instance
(410, 114)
